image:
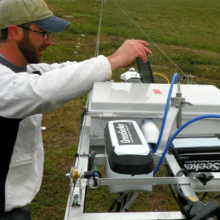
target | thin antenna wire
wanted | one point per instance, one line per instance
(99, 30)
(150, 39)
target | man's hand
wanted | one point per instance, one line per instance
(129, 50)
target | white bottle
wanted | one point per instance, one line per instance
(150, 132)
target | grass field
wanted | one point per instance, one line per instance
(183, 36)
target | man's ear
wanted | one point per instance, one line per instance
(15, 33)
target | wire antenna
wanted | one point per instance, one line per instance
(149, 38)
(99, 30)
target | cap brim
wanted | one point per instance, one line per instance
(52, 24)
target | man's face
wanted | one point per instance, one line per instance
(32, 46)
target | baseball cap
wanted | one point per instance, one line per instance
(25, 11)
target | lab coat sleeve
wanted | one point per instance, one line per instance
(25, 94)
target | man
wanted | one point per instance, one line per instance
(29, 88)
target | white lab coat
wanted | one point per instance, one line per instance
(28, 96)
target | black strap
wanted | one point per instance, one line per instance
(8, 134)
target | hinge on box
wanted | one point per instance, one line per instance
(107, 115)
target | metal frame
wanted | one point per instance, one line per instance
(90, 141)
(76, 199)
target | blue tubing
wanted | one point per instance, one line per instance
(177, 132)
(175, 76)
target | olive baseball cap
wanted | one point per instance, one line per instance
(30, 11)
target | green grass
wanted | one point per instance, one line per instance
(187, 32)
(55, 185)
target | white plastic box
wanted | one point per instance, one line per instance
(139, 101)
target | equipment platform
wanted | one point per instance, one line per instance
(134, 128)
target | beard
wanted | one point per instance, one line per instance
(29, 51)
